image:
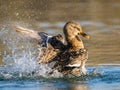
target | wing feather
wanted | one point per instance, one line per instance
(28, 32)
(47, 52)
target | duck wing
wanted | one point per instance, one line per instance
(41, 37)
(28, 32)
(50, 46)
(46, 55)
(55, 45)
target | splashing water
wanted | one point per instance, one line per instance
(22, 60)
(22, 71)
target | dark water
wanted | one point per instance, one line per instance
(99, 18)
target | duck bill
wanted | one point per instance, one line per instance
(85, 35)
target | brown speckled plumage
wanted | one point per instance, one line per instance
(68, 58)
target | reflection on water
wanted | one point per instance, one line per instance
(99, 18)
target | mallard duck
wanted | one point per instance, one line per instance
(67, 58)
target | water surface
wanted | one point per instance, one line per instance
(99, 18)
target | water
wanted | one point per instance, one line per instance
(105, 78)
(18, 54)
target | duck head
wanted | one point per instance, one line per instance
(72, 31)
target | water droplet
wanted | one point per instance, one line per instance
(17, 14)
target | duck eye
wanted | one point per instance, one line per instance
(76, 27)
(78, 33)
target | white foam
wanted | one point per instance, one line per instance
(22, 58)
